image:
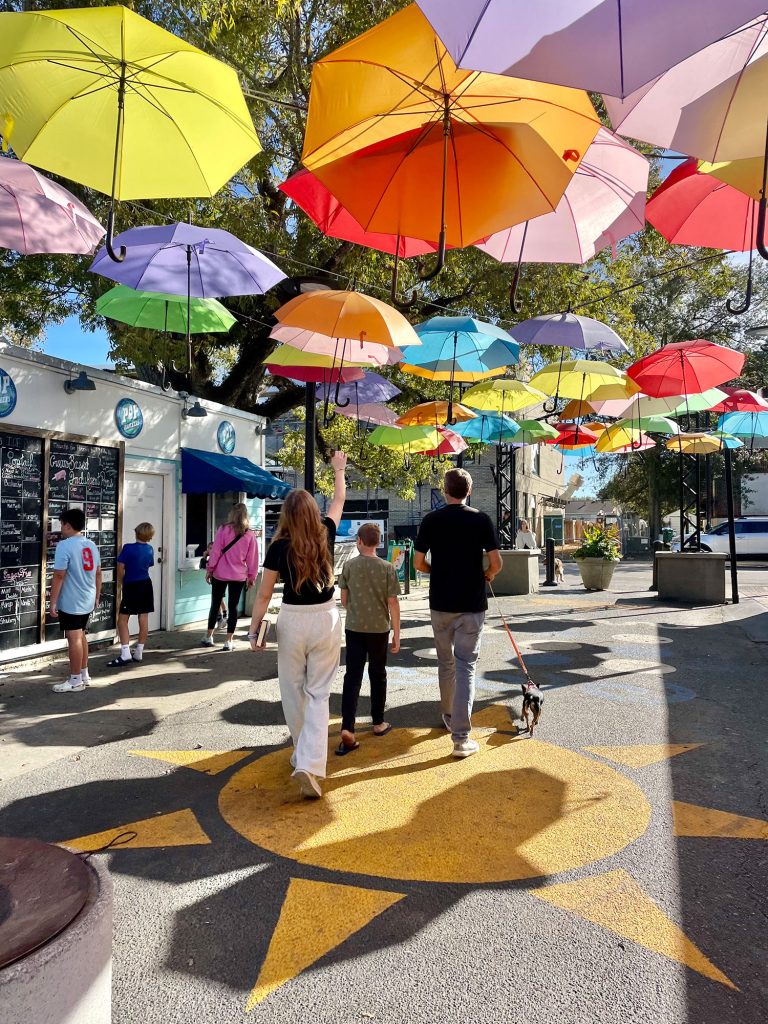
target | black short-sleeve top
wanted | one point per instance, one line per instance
(276, 559)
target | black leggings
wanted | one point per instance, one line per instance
(218, 589)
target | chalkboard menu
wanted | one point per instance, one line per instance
(86, 476)
(21, 492)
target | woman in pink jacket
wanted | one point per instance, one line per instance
(232, 564)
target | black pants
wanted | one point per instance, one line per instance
(362, 646)
(218, 589)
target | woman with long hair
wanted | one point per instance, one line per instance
(308, 625)
(232, 565)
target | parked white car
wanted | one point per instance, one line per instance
(751, 538)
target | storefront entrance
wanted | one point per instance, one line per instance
(143, 503)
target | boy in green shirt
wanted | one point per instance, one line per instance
(369, 593)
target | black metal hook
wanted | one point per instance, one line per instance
(401, 304)
(761, 247)
(440, 258)
(117, 257)
(516, 276)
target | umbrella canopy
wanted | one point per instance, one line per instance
(371, 388)
(38, 215)
(572, 438)
(578, 378)
(596, 428)
(459, 376)
(740, 400)
(489, 428)
(317, 374)
(651, 425)
(567, 330)
(617, 436)
(160, 312)
(711, 105)
(501, 395)
(435, 414)
(744, 424)
(451, 443)
(576, 410)
(533, 431)
(614, 407)
(612, 46)
(694, 444)
(603, 203)
(182, 259)
(729, 441)
(686, 368)
(389, 114)
(409, 440)
(673, 405)
(699, 403)
(333, 219)
(691, 208)
(352, 315)
(746, 175)
(643, 444)
(368, 352)
(287, 355)
(460, 348)
(372, 413)
(104, 97)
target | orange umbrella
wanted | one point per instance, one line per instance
(390, 116)
(434, 414)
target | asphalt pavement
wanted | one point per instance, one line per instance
(611, 868)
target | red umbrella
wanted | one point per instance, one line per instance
(685, 368)
(574, 437)
(451, 443)
(739, 400)
(317, 374)
(333, 219)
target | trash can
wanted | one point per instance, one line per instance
(667, 534)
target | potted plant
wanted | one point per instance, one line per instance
(598, 555)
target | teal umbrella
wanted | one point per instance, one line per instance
(160, 312)
(488, 428)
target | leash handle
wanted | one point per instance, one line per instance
(509, 633)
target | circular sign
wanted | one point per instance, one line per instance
(226, 437)
(129, 418)
(7, 394)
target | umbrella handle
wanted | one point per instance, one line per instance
(400, 303)
(516, 276)
(117, 257)
(761, 247)
(549, 408)
(440, 258)
(738, 310)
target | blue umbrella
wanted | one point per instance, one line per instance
(744, 424)
(488, 428)
(567, 330)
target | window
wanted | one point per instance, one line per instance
(756, 526)
(197, 522)
(536, 460)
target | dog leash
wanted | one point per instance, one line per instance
(509, 634)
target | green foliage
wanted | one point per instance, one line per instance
(600, 541)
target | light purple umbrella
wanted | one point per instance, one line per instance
(38, 215)
(182, 259)
(569, 331)
(611, 46)
(372, 388)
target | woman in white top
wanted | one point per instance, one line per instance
(524, 538)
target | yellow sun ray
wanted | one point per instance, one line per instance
(708, 823)
(210, 762)
(180, 828)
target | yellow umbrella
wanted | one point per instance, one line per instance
(104, 97)
(745, 175)
(406, 440)
(390, 116)
(614, 438)
(457, 375)
(435, 413)
(694, 444)
(503, 395)
(580, 378)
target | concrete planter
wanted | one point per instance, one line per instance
(596, 573)
(519, 572)
(691, 577)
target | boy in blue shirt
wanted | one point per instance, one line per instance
(75, 592)
(137, 596)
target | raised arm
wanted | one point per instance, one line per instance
(339, 463)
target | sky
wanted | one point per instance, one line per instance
(68, 340)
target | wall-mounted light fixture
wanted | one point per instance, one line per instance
(82, 382)
(195, 412)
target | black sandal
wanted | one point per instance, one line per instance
(120, 663)
(342, 750)
(383, 731)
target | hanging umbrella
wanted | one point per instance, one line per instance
(502, 394)
(38, 215)
(390, 117)
(325, 375)
(702, 402)
(160, 312)
(459, 348)
(575, 410)
(596, 428)
(370, 353)
(578, 378)
(435, 414)
(372, 388)
(612, 46)
(686, 367)
(286, 355)
(694, 444)
(534, 431)
(603, 203)
(651, 424)
(567, 330)
(673, 405)
(612, 407)
(616, 436)
(643, 444)
(459, 376)
(409, 440)
(182, 259)
(451, 443)
(729, 441)
(572, 438)
(740, 400)
(488, 428)
(104, 97)
(373, 413)
(744, 424)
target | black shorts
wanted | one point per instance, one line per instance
(138, 598)
(67, 621)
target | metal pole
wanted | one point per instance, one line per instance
(708, 468)
(309, 439)
(682, 502)
(731, 527)
(550, 562)
(513, 493)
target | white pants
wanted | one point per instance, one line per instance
(308, 650)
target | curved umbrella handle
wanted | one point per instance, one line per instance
(549, 409)
(440, 258)
(738, 310)
(117, 257)
(516, 276)
(761, 247)
(400, 304)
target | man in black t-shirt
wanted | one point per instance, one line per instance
(456, 537)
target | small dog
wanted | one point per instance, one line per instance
(559, 576)
(533, 699)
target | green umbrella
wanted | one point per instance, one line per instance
(161, 312)
(652, 424)
(532, 431)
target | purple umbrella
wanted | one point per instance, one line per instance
(611, 46)
(38, 215)
(182, 259)
(372, 388)
(569, 331)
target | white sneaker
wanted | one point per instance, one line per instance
(228, 646)
(221, 622)
(70, 686)
(207, 641)
(466, 748)
(308, 785)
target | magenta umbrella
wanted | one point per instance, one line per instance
(38, 215)
(604, 202)
(610, 46)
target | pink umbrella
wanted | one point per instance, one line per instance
(371, 413)
(351, 350)
(451, 443)
(604, 202)
(37, 215)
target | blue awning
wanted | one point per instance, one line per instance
(212, 473)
